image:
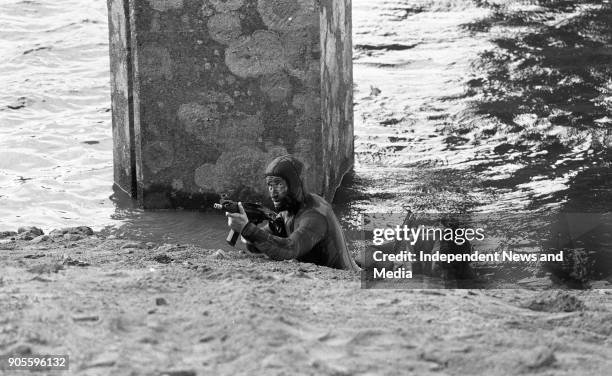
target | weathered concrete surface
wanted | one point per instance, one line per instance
(337, 90)
(123, 157)
(221, 87)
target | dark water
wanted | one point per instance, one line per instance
(461, 106)
(483, 106)
(499, 108)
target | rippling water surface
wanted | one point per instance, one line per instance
(55, 131)
(460, 106)
(483, 105)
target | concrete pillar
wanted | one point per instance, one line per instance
(206, 92)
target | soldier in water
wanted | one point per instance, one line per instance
(313, 231)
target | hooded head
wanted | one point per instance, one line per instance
(289, 169)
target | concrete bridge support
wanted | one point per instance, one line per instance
(206, 92)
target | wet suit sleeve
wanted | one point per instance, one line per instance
(310, 230)
(249, 245)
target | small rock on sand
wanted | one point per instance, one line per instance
(178, 373)
(555, 301)
(219, 254)
(103, 360)
(539, 357)
(166, 247)
(25, 236)
(161, 301)
(163, 258)
(72, 237)
(299, 274)
(79, 230)
(40, 239)
(34, 256)
(41, 279)
(206, 339)
(84, 230)
(7, 234)
(85, 318)
(46, 268)
(138, 245)
(56, 233)
(72, 262)
(19, 350)
(31, 229)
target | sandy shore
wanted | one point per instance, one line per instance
(119, 307)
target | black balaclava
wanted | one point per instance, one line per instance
(289, 168)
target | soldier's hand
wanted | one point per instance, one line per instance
(237, 221)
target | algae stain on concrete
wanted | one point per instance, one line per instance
(254, 55)
(288, 14)
(199, 120)
(224, 27)
(236, 170)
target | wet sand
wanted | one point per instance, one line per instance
(120, 307)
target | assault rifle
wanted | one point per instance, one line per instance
(256, 213)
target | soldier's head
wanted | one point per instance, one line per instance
(284, 183)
